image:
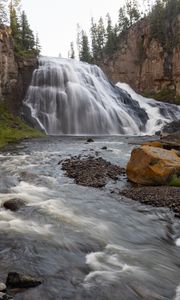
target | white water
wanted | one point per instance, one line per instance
(71, 97)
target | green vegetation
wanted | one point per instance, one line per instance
(105, 38)
(175, 181)
(13, 128)
(25, 43)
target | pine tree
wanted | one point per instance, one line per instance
(72, 52)
(14, 25)
(100, 38)
(27, 36)
(85, 54)
(123, 22)
(132, 11)
(37, 44)
(94, 42)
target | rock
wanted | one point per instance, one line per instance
(104, 148)
(14, 204)
(16, 280)
(157, 144)
(91, 171)
(170, 128)
(90, 140)
(2, 287)
(153, 166)
(4, 296)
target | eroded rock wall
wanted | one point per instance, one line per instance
(143, 63)
(15, 72)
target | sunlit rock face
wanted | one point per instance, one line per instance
(71, 97)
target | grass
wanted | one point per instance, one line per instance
(175, 181)
(13, 128)
(163, 95)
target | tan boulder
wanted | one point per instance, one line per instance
(153, 166)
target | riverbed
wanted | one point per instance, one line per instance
(83, 242)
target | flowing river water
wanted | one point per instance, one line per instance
(84, 243)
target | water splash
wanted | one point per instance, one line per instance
(71, 97)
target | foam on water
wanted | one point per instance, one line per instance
(71, 97)
(159, 113)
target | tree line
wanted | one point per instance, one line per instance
(25, 42)
(105, 37)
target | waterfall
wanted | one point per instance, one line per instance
(71, 97)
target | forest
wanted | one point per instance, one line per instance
(24, 40)
(104, 38)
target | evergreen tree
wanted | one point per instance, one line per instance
(100, 38)
(14, 25)
(37, 44)
(111, 36)
(72, 53)
(94, 37)
(123, 22)
(85, 54)
(27, 36)
(132, 11)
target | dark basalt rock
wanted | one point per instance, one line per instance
(4, 296)
(14, 204)
(170, 128)
(158, 196)
(89, 140)
(104, 148)
(16, 280)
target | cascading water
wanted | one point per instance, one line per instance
(71, 97)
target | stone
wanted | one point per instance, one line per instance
(153, 144)
(2, 287)
(16, 280)
(90, 140)
(4, 296)
(104, 148)
(14, 204)
(153, 166)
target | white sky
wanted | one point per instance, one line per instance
(56, 20)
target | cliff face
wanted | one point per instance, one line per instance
(143, 63)
(15, 73)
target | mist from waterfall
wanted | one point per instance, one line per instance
(71, 97)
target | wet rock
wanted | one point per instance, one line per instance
(171, 128)
(16, 280)
(153, 166)
(158, 196)
(14, 204)
(104, 148)
(4, 296)
(91, 171)
(90, 140)
(2, 287)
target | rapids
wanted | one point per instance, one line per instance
(85, 243)
(71, 97)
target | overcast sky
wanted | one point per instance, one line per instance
(56, 20)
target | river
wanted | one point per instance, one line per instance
(84, 243)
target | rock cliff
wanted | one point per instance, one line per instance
(15, 72)
(142, 62)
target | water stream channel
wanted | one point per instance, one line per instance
(85, 243)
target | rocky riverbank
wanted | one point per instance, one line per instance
(157, 196)
(90, 171)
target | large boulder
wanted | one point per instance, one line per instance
(153, 166)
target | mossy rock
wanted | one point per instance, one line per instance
(12, 128)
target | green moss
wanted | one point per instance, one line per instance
(13, 128)
(163, 95)
(175, 181)
(177, 99)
